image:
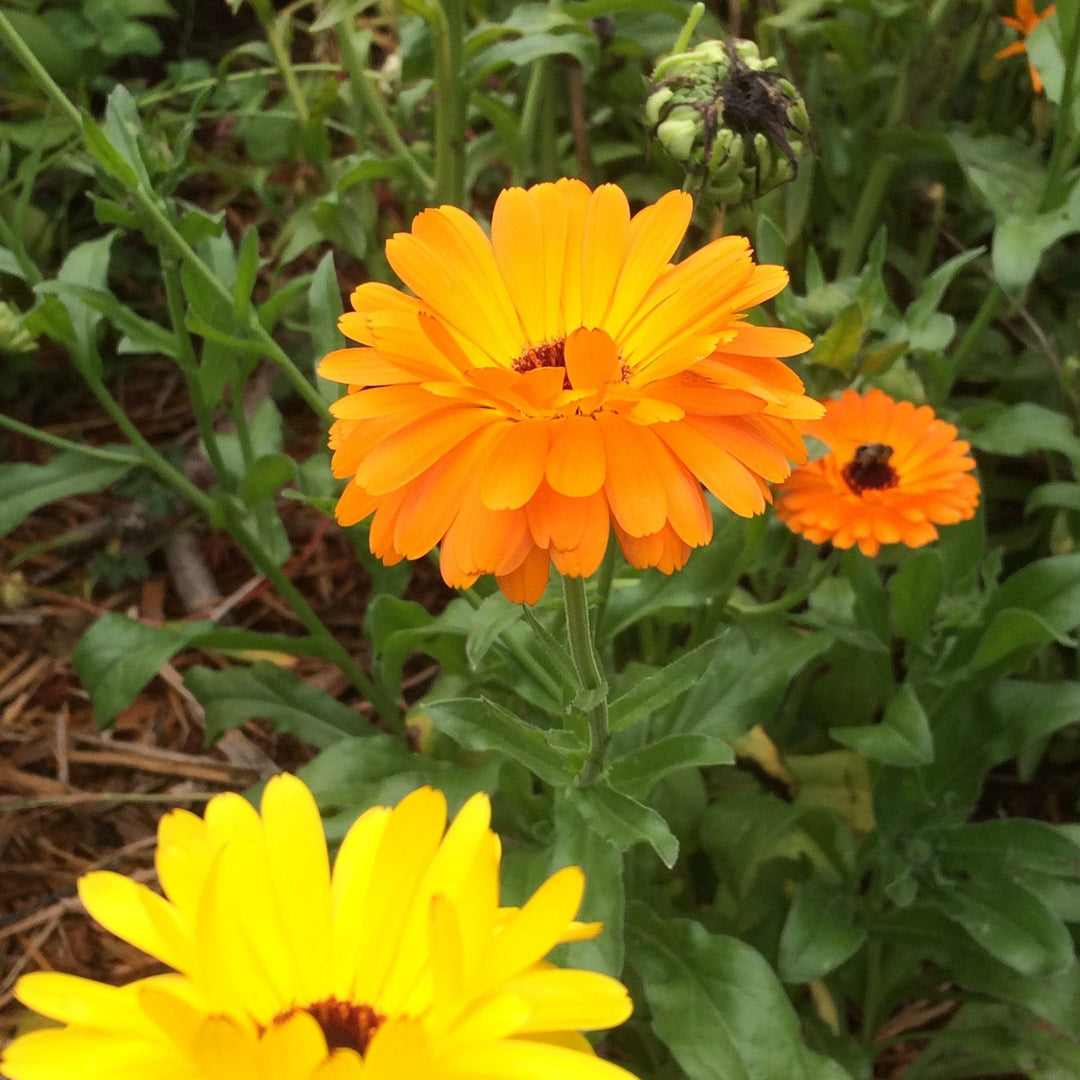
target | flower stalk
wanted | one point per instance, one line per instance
(583, 653)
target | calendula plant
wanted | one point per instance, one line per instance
(726, 370)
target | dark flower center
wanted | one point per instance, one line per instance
(869, 468)
(343, 1023)
(546, 354)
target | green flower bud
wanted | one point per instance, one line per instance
(735, 125)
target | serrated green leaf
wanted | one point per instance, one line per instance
(483, 725)
(660, 689)
(625, 821)
(644, 767)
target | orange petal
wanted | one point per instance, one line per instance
(516, 465)
(527, 583)
(592, 359)
(607, 227)
(633, 485)
(576, 464)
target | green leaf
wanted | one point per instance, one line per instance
(1004, 847)
(266, 476)
(86, 265)
(1048, 587)
(1020, 240)
(398, 628)
(122, 127)
(820, 932)
(103, 151)
(624, 821)
(902, 738)
(605, 889)
(645, 766)
(142, 335)
(479, 724)
(247, 270)
(1026, 427)
(926, 330)
(915, 591)
(24, 488)
(838, 347)
(1013, 633)
(1010, 922)
(1027, 711)
(655, 691)
(118, 656)
(717, 1006)
(1060, 494)
(492, 619)
(266, 691)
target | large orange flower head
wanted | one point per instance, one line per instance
(558, 380)
(894, 473)
(1024, 21)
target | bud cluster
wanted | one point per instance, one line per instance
(729, 119)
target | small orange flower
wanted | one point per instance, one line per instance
(895, 472)
(1025, 20)
(558, 380)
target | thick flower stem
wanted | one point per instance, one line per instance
(583, 653)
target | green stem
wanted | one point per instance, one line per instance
(983, 317)
(367, 97)
(271, 25)
(866, 212)
(1060, 159)
(583, 653)
(445, 19)
(689, 26)
(15, 43)
(117, 457)
(189, 365)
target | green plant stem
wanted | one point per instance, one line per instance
(271, 25)
(15, 43)
(583, 653)
(165, 230)
(983, 317)
(367, 97)
(866, 212)
(446, 22)
(1060, 157)
(189, 365)
(117, 457)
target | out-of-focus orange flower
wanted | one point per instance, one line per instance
(1024, 21)
(556, 381)
(894, 473)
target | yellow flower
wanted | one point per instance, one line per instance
(558, 381)
(1024, 20)
(398, 965)
(894, 473)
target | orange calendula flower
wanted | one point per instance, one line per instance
(556, 381)
(397, 964)
(1025, 20)
(895, 472)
